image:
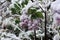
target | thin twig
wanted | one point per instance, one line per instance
(45, 22)
(34, 34)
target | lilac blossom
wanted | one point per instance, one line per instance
(55, 6)
(56, 37)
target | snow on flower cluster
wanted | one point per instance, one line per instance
(20, 26)
(26, 20)
(56, 11)
(55, 6)
(8, 19)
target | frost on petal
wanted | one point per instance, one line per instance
(11, 6)
(33, 27)
(55, 5)
(56, 37)
(35, 22)
(23, 16)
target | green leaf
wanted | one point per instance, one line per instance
(17, 31)
(10, 27)
(26, 2)
(23, 4)
(33, 16)
(39, 15)
(13, 10)
(16, 7)
(18, 4)
(31, 11)
(17, 21)
(34, 13)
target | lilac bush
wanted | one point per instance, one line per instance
(19, 19)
